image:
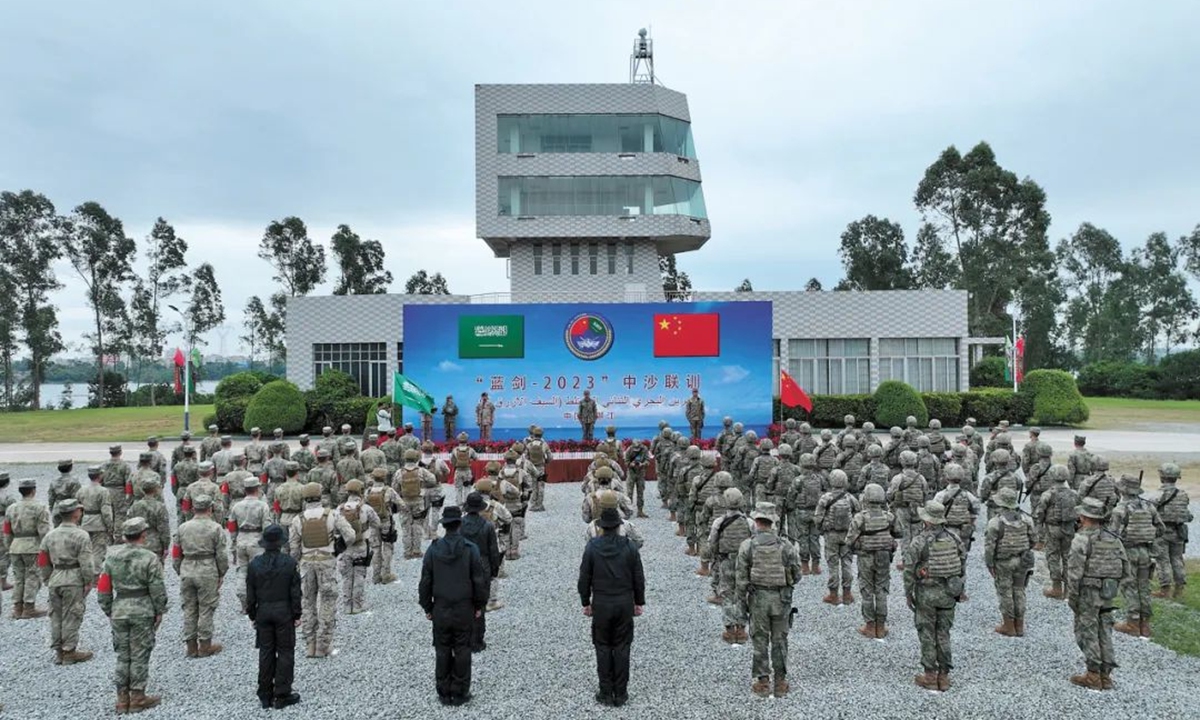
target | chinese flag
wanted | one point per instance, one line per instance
(687, 335)
(791, 394)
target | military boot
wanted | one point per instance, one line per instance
(1106, 681)
(761, 687)
(881, 630)
(730, 634)
(1178, 592)
(70, 657)
(867, 630)
(691, 549)
(1163, 591)
(18, 610)
(847, 596)
(33, 612)
(208, 648)
(122, 705)
(704, 571)
(943, 681)
(1144, 628)
(804, 567)
(642, 513)
(5, 585)
(191, 648)
(1006, 627)
(781, 686)
(1055, 592)
(310, 651)
(1019, 626)
(742, 635)
(927, 680)
(831, 597)
(714, 599)
(1090, 680)
(672, 517)
(816, 567)
(139, 701)
(1129, 628)
(58, 656)
(680, 531)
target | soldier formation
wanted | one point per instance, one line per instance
(757, 515)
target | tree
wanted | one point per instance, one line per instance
(422, 283)
(253, 317)
(932, 265)
(165, 261)
(205, 310)
(813, 285)
(8, 334)
(995, 226)
(874, 256)
(30, 231)
(1167, 303)
(360, 264)
(264, 328)
(299, 264)
(101, 254)
(1102, 305)
(677, 286)
(744, 287)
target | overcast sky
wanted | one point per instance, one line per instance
(806, 115)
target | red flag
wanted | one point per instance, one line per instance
(1019, 363)
(178, 359)
(791, 394)
(687, 335)
(178, 382)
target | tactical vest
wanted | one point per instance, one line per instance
(927, 466)
(942, 558)
(733, 531)
(875, 535)
(488, 514)
(766, 564)
(937, 442)
(462, 457)
(1014, 537)
(351, 514)
(1061, 508)
(766, 464)
(1081, 462)
(314, 532)
(877, 473)
(781, 478)
(1006, 480)
(377, 500)
(810, 491)
(410, 484)
(1099, 486)
(958, 508)
(537, 452)
(1138, 526)
(826, 456)
(1173, 506)
(853, 465)
(837, 514)
(911, 492)
(1103, 560)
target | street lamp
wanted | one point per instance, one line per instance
(1012, 312)
(187, 368)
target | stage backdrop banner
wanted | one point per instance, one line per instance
(639, 360)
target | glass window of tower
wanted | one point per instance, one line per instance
(612, 195)
(593, 134)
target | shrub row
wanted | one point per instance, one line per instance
(1175, 377)
(987, 406)
(252, 399)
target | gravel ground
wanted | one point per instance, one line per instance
(540, 663)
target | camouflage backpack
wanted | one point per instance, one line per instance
(410, 484)
(837, 515)
(1138, 525)
(537, 452)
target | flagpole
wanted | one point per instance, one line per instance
(1014, 346)
(187, 369)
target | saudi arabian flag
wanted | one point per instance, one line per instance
(407, 393)
(1008, 360)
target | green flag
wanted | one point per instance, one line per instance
(1008, 360)
(407, 393)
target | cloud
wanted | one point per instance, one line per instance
(447, 366)
(731, 374)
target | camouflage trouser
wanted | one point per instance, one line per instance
(199, 596)
(435, 511)
(120, 508)
(909, 523)
(133, 639)
(5, 562)
(319, 588)
(99, 550)
(1168, 554)
(354, 580)
(516, 531)
(66, 615)
(697, 428)
(806, 535)
(636, 483)
(246, 550)
(769, 608)
(382, 561)
(933, 630)
(838, 561)
(1057, 539)
(537, 501)
(1093, 628)
(464, 482)
(412, 532)
(697, 532)
(874, 584)
(26, 580)
(1010, 578)
(732, 611)
(494, 591)
(1136, 588)
(660, 477)
(666, 490)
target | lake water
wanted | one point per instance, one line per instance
(52, 392)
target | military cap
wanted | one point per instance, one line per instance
(213, 428)
(412, 456)
(251, 482)
(226, 439)
(764, 511)
(202, 502)
(1044, 450)
(373, 437)
(1081, 439)
(462, 437)
(751, 435)
(311, 491)
(935, 424)
(933, 513)
(662, 424)
(728, 420)
(239, 459)
(189, 449)
(94, 470)
(971, 421)
(737, 427)
(510, 456)
(848, 420)
(26, 483)
(205, 467)
(133, 527)
(826, 434)
(733, 497)
(256, 431)
(968, 430)
(291, 467)
(611, 429)
(484, 485)
(1131, 484)
(114, 449)
(354, 487)
(304, 438)
(277, 432)
(3, 476)
(537, 432)
(323, 453)
(273, 537)
(152, 440)
(608, 499)
(326, 430)
(379, 474)
(805, 428)
(1004, 424)
(474, 503)
(451, 515)
(66, 506)
(868, 426)
(1035, 430)
(185, 435)
(145, 457)
(428, 446)
(492, 468)
(604, 473)
(1093, 508)
(609, 519)
(345, 427)
(151, 484)
(1169, 471)
(519, 448)
(1007, 498)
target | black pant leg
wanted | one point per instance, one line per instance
(443, 647)
(602, 639)
(285, 657)
(464, 627)
(622, 639)
(265, 640)
(479, 631)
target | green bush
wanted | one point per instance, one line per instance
(238, 385)
(1121, 379)
(210, 420)
(346, 412)
(369, 417)
(989, 372)
(946, 407)
(829, 411)
(991, 405)
(231, 414)
(278, 404)
(1056, 399)
(895, 401)
(325, 402)
(1179, 376)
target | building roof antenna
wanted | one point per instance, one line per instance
(641, 60)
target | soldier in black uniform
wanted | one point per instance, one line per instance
(273, 602)
(453, 592)
(478, 530)
(612, 587)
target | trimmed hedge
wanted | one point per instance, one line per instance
(1056, 398)
(345, 412)
(330, 401)
(278, 404)
(238, 385)
(988, 406)
(895, 401)
(989, 372)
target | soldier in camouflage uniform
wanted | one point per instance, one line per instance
(311, 541)
(974, 440)
(324, 477)
(255, 452)
(1173, 506)
(682, 474)
(744, 460)
(906, 494)
(1099, 484)
(409, 440)
(248, 517)
(538, 452)
(1029, 453)
(693, 410)
(962, 507)
(726, 437)
(725, 536)
(586, 413)
(802, 498)
(1096, 566)
(211, 444)
(826, 453)
(610, 500)
(461, 458)
(184, 473)
(434, 497)
(1137, 522)
(895, 446)
(158, 525)
(872, 536)
(775, 490)
(289, 497)
(348, 468)
(158, 463)
(133, 595)
(97, 518)
(205, 485)
(938, 445)
(875, 471)
(233, 483)
(807, 443)
(1054, 511)
(115, 479)
(386, 503)
(7, 499)
(412, 483)
(222, 459)
(67, 568)
(26, 523)
(305, 456)
(767, 569)
(1036, 482)
(832, 517)
(760, 470)
(353, 563)
(851, 461)
(275, 470)
(201, 559)
(637, 457)
(141, 474)
(185, 440)
(280, 446)
(660, 448)
(1079, 462)
(496, 513)
(63, 487)
(329, 444)
(935, 565)
(962, 455)
(714, 508)
(372, 457)
(1008, 554)
(929, 466)
(700, 488)
(997, 479)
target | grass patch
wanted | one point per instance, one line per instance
(98, 424)
(1177, 622)
(1126, 413)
